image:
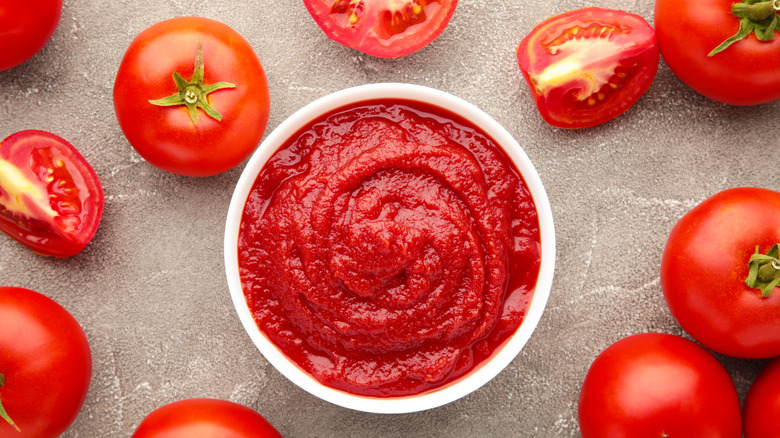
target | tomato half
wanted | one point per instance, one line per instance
(191, 96)
(705, 265)
(761, 410)
(25, 27)
(382, 28)
(45, 364)
(51, 199)
(204, 417)
(588, 66)
(746, 73)
(655, 385)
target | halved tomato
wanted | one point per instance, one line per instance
(382, 28)
(588, 66)
(51, 199)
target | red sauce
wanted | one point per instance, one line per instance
(389, 248)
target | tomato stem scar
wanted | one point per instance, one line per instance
(756, 17)
(3, 414)
(194, 93)
(764, 270)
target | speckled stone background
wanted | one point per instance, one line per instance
(150, 290)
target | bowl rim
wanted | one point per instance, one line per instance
(480, 375)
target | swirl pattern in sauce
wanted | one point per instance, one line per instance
(389, 248)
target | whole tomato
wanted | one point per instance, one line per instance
(25, 27)
(706, 264)
(191, 96)
(654, 385)
(744, 73)
(51, 199)
(45, 365)
(204, 417)
(761, 411)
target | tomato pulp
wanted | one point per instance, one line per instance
(388, 248)
(382, 28)
(51, 200)
(588, 66)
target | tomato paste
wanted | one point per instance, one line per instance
(389, 248)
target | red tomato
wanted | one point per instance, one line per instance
(656, 385)
(25, 27)
(761, 411)
(382, 28)
(746, 73)
(588, 66)
(45, 364)
(704, 267)
(203, 417)
(51, 199)
(206, 119)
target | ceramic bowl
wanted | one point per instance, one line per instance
(480, 375)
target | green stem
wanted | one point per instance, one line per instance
(755, 16)
(194, 93)
(3, 414)
(764, 270)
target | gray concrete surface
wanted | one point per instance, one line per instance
(150, 290)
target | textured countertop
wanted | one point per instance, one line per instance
(150, 290)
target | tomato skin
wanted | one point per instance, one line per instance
(46, 361)
(761, 410)
(704, 266)
(743, 74)
(373, 33)
(61, 206)
(204, 417)
(588, 66)
(167, 137)
(653, 385)
(26, 28)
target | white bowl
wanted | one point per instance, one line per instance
(477, 377)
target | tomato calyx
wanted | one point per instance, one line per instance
(3, 414)
(764, 270)
(194, 93)
(755, 16)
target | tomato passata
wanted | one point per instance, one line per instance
(191, 96)
(25, 27)
(744, 73)
(51, 199)
(588, 66)
(706, 264)
(382, 28)
(45, 365)
(761, 410)
(204, 417)
(655, 385)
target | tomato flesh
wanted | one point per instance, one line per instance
(382, 28)
(51, 199)
(588, 66)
